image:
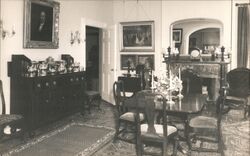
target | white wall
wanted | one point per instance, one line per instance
(125, 11)
(178, 10)
(163, 12)
(191, 26)
(71, 12)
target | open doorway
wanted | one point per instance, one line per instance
(92, 58)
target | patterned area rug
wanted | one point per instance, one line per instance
(70, 140)
(236, 136)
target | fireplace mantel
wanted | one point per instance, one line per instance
(213, 70)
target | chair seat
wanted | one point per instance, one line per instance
(8, 118)
(158, 129)
(130, 116)
(92, 93)
(203, 122)
(236, 99)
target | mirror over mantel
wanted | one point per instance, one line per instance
(197, 33)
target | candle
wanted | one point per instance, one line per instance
(152, 79)
(170, 79)
(180, 73)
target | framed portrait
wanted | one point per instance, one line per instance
(127, 60)
(177, 35)
(147, 61)
(137, 36)
(41, 26)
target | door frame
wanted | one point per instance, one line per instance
(93, 23)
(102, 26)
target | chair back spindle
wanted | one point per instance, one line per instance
(146, 103)
(119, 94)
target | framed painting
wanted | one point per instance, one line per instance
(147, 61)
(127, 60)
(137, 36)
(177, 35)
(41, 24)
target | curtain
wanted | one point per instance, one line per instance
(248, 36)
(243, 36)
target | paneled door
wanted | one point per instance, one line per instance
(109, 62)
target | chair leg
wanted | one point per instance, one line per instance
(188, 137)
(138, 146)
(99, 102)
(221, 145)
(246, 111)
(221, 148)
(89, 104)
(117, 126)
(175, 145)
(164, 149)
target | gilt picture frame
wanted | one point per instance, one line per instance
(137, 36)
(41, 24)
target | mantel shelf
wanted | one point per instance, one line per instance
(196, 62)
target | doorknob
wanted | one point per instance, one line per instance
(112, 70)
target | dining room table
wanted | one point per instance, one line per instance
(181, 107)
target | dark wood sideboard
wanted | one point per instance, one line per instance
(44, 99)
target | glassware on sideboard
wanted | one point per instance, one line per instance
(62, 67)
(32, 69)
(51, 67)
(42, 69)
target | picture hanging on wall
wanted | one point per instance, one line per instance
(147, 61)
(133, 60)
(128, 60)
(137, 36)
(41, 24)
(177, 35)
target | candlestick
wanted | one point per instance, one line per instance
(170, 79)
(222, 53)
(169, 53)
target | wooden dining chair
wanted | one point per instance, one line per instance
(124, 117)
(92, 96)
(239, 90)
(149, 133)
(208, 128)
(11, 125)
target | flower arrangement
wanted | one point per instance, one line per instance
(168, 84)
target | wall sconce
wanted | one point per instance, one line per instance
(4, 33)
(75, 37)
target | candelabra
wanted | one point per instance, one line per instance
(75, 37)
(5, 32)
